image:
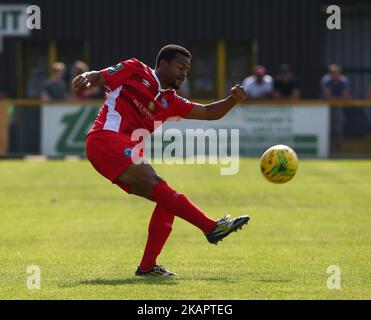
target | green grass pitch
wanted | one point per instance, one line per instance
(87, 236)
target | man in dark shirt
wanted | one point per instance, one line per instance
(55, 87)
(335, 85)
(285, 84)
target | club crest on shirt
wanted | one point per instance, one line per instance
(151, 106)
(164, 102)
(127, 152)
(113, 69)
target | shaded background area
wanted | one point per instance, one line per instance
(283, 31)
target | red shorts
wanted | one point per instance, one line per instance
(110, 154)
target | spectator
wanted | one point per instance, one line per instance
(259, 85)
(55, 87)
(80, 67)
(285, 84)
(334, 85)
(35, 81)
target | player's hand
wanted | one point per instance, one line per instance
(81, 82)
(239, 93)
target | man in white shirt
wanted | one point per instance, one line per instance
(259, 85)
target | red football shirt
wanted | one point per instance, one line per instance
(134, 99)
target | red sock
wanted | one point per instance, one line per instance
(179, 205)
(159, 230)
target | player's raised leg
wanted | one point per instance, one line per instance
(143, 181)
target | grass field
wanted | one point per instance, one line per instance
(87, 236)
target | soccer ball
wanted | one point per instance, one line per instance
(279, 163)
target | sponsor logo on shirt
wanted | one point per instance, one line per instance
(164, 102)
(143, 110)
(113, 69)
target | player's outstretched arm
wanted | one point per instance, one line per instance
(88, 80)
(218, 109)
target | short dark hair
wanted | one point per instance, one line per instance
(169, 52)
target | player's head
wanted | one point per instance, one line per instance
(172, 65)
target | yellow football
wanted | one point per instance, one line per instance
(279, 163)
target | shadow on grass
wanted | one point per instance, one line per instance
(120, 282)
(151, 281)
(274, 280)
(143, 280)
